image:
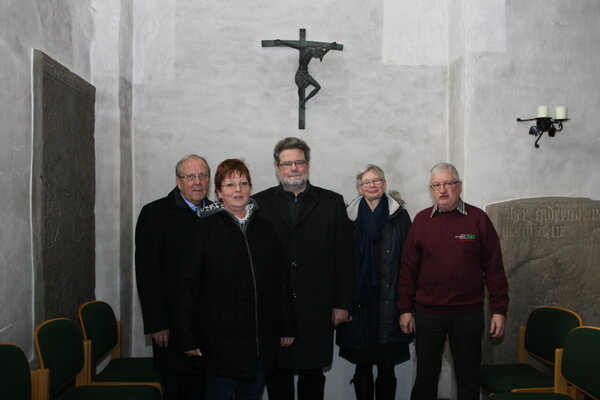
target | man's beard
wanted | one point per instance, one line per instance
(294, 181)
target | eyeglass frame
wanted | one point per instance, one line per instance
(296, 163)
(375, 181)
(436, 187)
(192, 177)
(231, 185)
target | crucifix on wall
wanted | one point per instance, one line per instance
(307, 51)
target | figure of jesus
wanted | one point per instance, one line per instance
(303, 78)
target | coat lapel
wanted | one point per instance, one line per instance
(281, 206)
(310, 201)
(181, 210)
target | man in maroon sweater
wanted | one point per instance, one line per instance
(451, 254)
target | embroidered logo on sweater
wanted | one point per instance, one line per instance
(466, 237)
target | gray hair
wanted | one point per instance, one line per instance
(366, 168)
(441, 167)
(190, 157)
(290, 143)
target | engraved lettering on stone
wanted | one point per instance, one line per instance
(63, 190)
(551, 253)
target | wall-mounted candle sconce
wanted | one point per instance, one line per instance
(545, 123)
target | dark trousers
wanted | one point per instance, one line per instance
(311, 384)
(464, 333)
(184, 386)
(222, 388)
(384, 387)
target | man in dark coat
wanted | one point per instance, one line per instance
(162, 227)
(316, 234)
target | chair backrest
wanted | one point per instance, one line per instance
(581, 360)
(15, 379)
(59, 347)
(546, 330)
(99, 325)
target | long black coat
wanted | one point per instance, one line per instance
(162, 227)
(235, 300)
(395, 230)
(320, 252)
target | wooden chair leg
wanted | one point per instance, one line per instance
(40, 384)
(522, 355)
(84, 377)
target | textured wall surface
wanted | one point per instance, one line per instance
(62, 30)
(203, 83)
(550, 57)
(111, 74)
(551, 251)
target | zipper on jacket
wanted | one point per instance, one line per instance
(255, 295)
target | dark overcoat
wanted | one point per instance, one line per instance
(162, 228)
(320, 251)
(393, 235)
(235, 300)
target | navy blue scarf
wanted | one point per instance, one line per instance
(369, 227)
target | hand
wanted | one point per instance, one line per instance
(497, 325)
(161, 338)
(339, 315)
(195, 352)
(407, 323)
(286, 341)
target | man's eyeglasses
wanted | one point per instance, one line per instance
(376, 181)
(439, 186)
(192, 177)
(297, 163)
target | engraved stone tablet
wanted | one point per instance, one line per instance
(63, 191)
(551, 257)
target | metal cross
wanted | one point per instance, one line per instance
(307, 51)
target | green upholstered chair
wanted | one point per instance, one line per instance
(60, 349)
(17, 381)
(101, 328)
(545, 331)
(577, 372)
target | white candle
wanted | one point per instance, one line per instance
(561, 112)
(542, 112)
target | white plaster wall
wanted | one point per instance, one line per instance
(415, 32)
(105, 76)
(456, 83)
(551, 57)
(61, 29)
(217, 92)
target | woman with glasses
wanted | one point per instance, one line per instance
(235, 304)
(374, 336)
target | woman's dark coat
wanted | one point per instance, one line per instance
(234, 298)
(320, 254)
(395, 230)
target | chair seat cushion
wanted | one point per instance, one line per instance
(529, 396)
(506, 377)
(139, 369)
(114, 393)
